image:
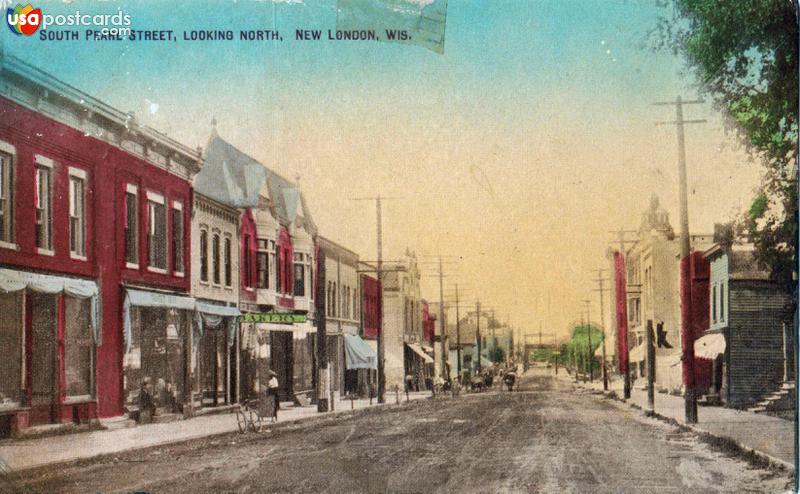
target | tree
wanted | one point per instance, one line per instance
(744, 55)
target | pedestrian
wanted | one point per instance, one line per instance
(272, 394)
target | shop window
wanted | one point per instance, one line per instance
(156, 233)
(6, 195)
(215, 259)
(77, 213)
(228, 263)
(299, 276)
(44, 204)
(78, 348)
(203, 255)
(177, 238)
(131, 226)
(11, 343)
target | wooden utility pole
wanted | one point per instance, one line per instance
(379, 274)
(458, 338)
(687, 336)
(443, 372)
(601, 289)
(651, 367)
(478, 333)
(588, 304)
(323, 376)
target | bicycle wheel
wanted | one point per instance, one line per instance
(255, 421)
(241, 420)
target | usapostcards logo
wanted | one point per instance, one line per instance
(23, 20)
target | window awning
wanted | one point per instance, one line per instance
(358, 354)
(709, 346)
(427, 348)
(418, 350)
(217, 310)
(143, 298)
(14, 281)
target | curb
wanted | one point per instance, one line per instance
(304, 422)
(706, 436)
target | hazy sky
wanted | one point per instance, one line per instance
(519, 149)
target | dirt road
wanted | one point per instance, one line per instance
(546, 438)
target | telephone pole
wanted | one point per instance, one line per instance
(589, 333)
(687, 339)
(478, 332)
(458, 338)
(379, 274)
(443, 372)
(601, 289)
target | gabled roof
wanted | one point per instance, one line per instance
(230, 176)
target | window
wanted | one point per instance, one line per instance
(203, 255)
(714, 303)
(6, 194)
(177, 237)
(299, 276)
(246, 264)
(722, 302)
(78, 348)
(287, 270)
(228, 262)
(77, 213)
(131, 226)
(262, 264)
(355, 303)
(44, 204)
(333, 301)
(279, 270)
(156, 233)
(215, 253)
(328, 291)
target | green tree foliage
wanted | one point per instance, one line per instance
(578, 351)
(744, 54)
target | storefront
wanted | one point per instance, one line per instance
(418, 365)
(215, 359)
(281, 342)
(158, 348)
(361, 360)
(48, 334)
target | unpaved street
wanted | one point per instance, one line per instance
(546, 438)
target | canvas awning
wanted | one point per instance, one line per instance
(428, 349)
(709, 346)
(358, 354)
(143, 298)
(14, 281)
(418, 350)
(212, 316)
(217, 310)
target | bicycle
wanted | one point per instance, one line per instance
(252, 414)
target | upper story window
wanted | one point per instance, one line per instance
(131, 226)
(355, 303)
(247, 263)
(44, 204)
(228, 261)
(77, 213)
(204, 255)
(263, 262)
(177, 238)
(156, 233)
(299, 276)
(6, 193)
(215, 259)
(722, 302)
(714, 303)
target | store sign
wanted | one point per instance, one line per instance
(274, 317)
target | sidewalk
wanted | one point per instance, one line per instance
(768, 436)
(25, 454)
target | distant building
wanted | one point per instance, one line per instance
(653, 294)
